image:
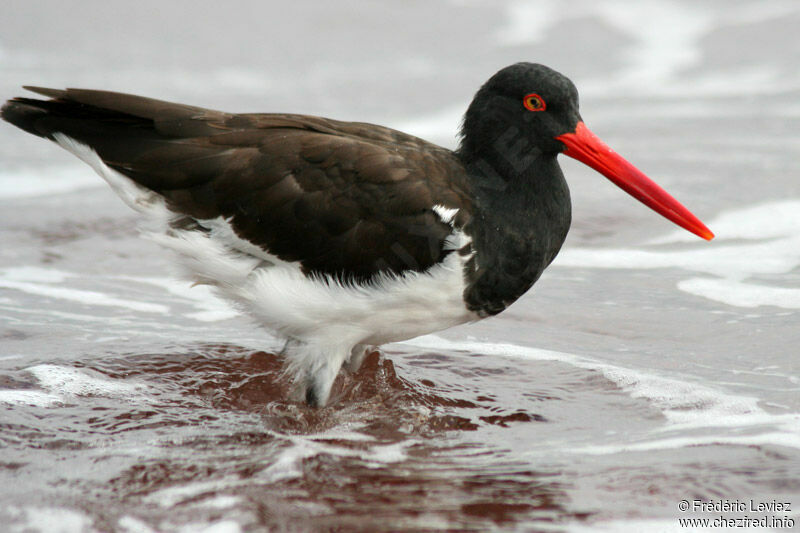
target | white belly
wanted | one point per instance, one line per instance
(321, 309)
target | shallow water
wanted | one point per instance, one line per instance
(645, 367)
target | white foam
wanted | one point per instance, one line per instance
(212, 308)
(288, 464)
(54, 520)
(731, 260)
(223, 526)
(771, 438)
(685, 404)
(40, 282)
(172, 496)
(84, 382)
(35, 274)
(739, 294)
(129, 524)
(491, 348)
(755, 240)
(221, 502)
(32, 398)
(379, 456)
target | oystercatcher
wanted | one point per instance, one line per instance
(337, 235)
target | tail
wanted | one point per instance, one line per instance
(61, 114)
(26, 113)
(140, 146)
(86, 131)
(140, 137)
(87, 115)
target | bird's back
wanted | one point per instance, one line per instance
(342, 198)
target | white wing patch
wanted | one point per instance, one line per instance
(458, 239)
(446, 214)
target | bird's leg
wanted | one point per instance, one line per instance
(285, 349)
(315, 368)
(357, 356)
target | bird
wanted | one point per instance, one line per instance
(338, 236)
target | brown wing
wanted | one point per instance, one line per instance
(349, 199)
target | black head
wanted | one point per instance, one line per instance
(525, 115)
(526, 106)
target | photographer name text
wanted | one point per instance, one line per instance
(736, 506)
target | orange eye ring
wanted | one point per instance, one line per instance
(534, 102)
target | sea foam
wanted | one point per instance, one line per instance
(760, 240)
(685, 404)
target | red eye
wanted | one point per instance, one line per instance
(534, 102)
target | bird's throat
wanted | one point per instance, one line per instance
(520, 222)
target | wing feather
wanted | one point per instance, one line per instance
(343, 198)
